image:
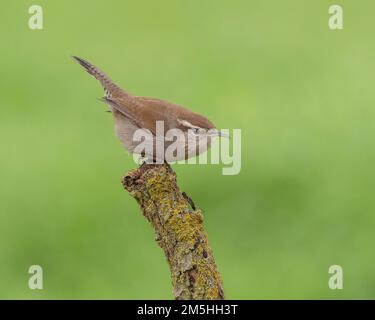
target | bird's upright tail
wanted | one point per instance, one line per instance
(111, 89)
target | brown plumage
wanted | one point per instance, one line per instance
(132, 112)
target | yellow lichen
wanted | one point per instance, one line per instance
(179, 231)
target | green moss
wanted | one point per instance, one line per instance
(179, 231)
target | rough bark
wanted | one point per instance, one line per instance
(179, 232)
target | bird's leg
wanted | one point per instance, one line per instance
(188, 199)
(142, 163)
(142, 160)
(167, 165)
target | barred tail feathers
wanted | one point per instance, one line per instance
(111, 89)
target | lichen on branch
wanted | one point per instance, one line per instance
(179, 232)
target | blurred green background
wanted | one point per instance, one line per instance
(301, 93)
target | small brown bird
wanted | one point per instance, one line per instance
(171, 132)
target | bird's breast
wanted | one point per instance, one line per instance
(171, 147)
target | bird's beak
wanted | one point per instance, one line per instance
(221, 134)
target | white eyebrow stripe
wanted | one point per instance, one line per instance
(186, 123)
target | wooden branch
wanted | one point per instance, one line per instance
(179, 232)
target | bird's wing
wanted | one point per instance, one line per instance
(173, 111)
(144, 115)
(161, 110)
(123, 111)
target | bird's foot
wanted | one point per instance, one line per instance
(142, 161)
(167, 165)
